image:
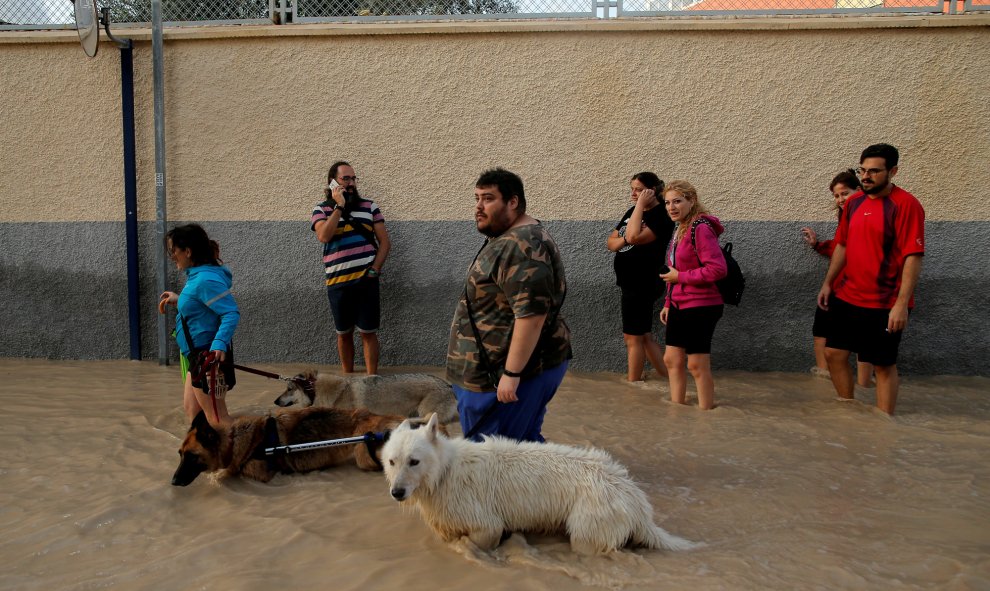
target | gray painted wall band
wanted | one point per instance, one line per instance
(64, 288)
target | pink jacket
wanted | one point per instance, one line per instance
(696, 282)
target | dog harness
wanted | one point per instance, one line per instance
(269, 440)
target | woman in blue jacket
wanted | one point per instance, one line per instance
(207, 317)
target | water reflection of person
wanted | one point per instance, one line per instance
(842, 186)
(638, 241)
(693, 305)
(207, 315)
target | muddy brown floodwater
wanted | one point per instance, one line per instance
(788, 488)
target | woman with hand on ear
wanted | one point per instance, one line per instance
(638, 241)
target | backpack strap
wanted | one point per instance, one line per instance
(694, 231)
(360, 228)
(482, 352)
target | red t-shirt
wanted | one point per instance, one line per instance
(878, 235)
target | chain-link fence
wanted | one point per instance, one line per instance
(49, 14)
(59, 13)
(773, 7)
(331, 10)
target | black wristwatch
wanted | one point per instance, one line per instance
(512, 374)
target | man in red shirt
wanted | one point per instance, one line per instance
(878, 247)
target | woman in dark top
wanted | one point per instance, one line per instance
(639, 241)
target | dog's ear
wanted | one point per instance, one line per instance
(206, 435)
(309, 374)
(199, 420)
(431, 427)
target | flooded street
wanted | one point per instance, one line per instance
(787, 487)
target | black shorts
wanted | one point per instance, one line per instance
(862, 331)
(226, 366)
(355, 304)
(637, 311)
(820, 328)
(691, 329)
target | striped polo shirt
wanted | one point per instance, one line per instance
(349, 254)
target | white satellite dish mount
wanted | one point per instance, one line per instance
(88, 22)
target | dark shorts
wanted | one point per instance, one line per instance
(820, 328)
(691, 329)
(355, 304)
(637, 311)
(862, 331)
(226, 367)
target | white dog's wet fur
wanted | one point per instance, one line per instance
(484, 490)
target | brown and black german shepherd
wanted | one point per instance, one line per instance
(239, 447)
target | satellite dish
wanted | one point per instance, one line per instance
(87, 25)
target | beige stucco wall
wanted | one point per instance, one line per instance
(758, 116)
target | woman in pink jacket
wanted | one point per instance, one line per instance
(693, 304)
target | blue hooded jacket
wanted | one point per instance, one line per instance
(207, 308)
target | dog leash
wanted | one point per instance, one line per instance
(307, 385)
(368, 439)
(484, 417)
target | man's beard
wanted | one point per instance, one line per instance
(876, 188)
(496, 225)
(351, 197)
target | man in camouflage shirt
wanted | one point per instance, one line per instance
(515, 288)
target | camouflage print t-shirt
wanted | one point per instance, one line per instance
(517, 274)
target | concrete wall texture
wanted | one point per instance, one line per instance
(758, 115)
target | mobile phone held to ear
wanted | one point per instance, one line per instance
(333, 185)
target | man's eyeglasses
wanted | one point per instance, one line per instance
(869, 171)
(349, 179)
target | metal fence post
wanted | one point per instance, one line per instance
(158, 71)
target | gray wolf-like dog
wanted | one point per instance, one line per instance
(236, 446)
(410, 395)
(481, 490)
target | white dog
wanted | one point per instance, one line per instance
(481, 490)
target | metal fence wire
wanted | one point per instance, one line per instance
(319, 9)
(38, 14)
(59, 13)
(771, 7)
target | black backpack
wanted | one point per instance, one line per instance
(731, 286)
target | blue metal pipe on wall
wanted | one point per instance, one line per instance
(130, 197)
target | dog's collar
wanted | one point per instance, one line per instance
(373, 442)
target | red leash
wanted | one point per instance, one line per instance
(215, 387)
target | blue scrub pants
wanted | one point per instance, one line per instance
(523, 419)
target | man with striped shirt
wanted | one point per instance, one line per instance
(355, 246)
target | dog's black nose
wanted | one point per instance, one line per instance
(398, 494)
